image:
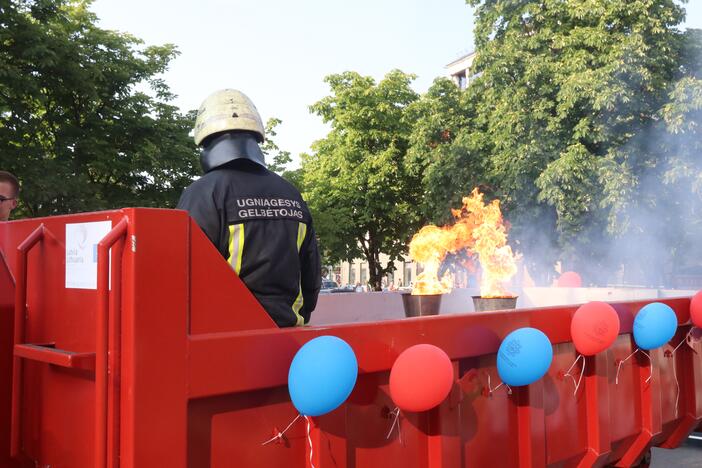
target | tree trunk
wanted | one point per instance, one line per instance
(375, 274)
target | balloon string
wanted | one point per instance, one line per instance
(637, 350)
(677, 384)
(280, 434)
(396, 421)
(619, 367)
(675, 373)
(492, 390)
(651, 366)
(684, 340)
(582, 372)
(309, 440)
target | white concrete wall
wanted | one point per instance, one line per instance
(376, 306)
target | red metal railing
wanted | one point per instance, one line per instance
(20, 312)
(47, 353)
(102, 337)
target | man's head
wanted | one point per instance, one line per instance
(228, 127)
(9, 191)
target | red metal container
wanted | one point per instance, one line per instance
(171, 362)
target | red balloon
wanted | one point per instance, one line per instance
(569, 279)
(696, 309)
(420, 378)
(594, 327)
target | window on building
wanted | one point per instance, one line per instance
(337, 274)
(389, 278)
(352, 274)
(408, 273)
(462, 81)
(364, 274)
(420, 268)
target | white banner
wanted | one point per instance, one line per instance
(81, 253)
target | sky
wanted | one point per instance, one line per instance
(278, 52)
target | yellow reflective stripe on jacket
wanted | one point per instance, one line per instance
(301, 233)
(299, 301)
(236, 246)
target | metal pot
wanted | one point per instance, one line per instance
(421, 305)
(484, 304)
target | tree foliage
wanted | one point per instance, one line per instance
(580, 118)
(442, 154)
(357, 182)
(276, 159)
(85, 119)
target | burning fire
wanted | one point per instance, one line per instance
(478, 229)
(429, 247)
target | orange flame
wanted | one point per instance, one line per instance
(429, 247)
(479, 229)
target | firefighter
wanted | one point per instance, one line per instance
(256, 219)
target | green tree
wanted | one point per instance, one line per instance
(85, 119)
(357, 183)
(565, 86)
(682, 117)
(556, 118)
(681, 170)
(276, 159)
(442, 153)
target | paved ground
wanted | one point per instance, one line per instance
(687, 455)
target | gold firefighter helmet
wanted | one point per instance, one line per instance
(227, 109)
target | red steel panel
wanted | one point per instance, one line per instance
(198, 372)
(154, 330)
(7, 307)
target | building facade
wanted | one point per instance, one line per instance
(460, 70)
(356, 273)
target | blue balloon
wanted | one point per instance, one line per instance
(654, 325)
(322, 375)
(524, 356)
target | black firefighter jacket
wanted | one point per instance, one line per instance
(260, 224)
